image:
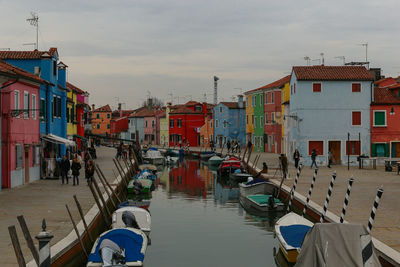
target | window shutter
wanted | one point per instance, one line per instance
(373, 150)
(356, 118)
(379, 117)
(317, 87)
(387, 150)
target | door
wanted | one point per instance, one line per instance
(26, 163)
(334, 147)
(395, 149)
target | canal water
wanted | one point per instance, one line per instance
(197, 221)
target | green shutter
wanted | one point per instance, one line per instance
(379, 118)
(373, 150)
(386, 150)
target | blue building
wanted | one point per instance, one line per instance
(229, 122)
(328, 106)
(53, 123)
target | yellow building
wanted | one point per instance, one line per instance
(249, 116)
(164, 132)
(71, 114)
(285, 96)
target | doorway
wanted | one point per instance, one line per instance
(395, 149)
(26, 163)
(334, 147)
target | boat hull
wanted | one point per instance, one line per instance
(255, 202)
(264, 188)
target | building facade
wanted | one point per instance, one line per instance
(328, 106)
(249, 117)
(101, 120)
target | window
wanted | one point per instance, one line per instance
(261, 121)
(266, 98)
(98, 126)
(133, 136)
(171, 138)
(316, 87)
(356, 118)
(273, 139)
(54, 68)
(216, 124)
(179, 123)
(68, 114)
(356, 87)
(108, 126)
(145, 124)
(294, 88)
(220, 109)
(36, 153)
(108, 115)
(291, 89)
(171, 123)
(26, 105)
(224, 123)
(33, 106)
(18, 156)
(253, 100)
(247, 119)
(352, 148)
(210, 124)
(380, 118)
(54, 106)
(252, 119)
(255, 121)
(266, 117)
(272, 117)
(152, 123)
(198, 108)
(16, 100)
(97, 116)
(59, 106)
(248, 101)
(272, 97)
(42, 112)
(317, 145)
(261, 100)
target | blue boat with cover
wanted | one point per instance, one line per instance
(119, 247)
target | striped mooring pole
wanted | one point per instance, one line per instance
(310, 191)
(374, 208)
(294, 187)
(44, 238)
(346, 199)
(328, 196)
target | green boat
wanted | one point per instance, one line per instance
(146, 184)
(263, 203)
(215, 160)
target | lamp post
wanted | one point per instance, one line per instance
(215, 90)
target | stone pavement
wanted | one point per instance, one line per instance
(46, 199)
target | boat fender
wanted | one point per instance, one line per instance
(129, 220)
(110, 253)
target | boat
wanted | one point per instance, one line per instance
(141, 216)
(337, 244)
(140, 186)
(257, 186)
(119, 247)
(207, 154)
(146, 174)
(264, 203)
(215, 160)
(228, 166)
(239, 177)
(154, 156)
(290, 231)
(149, 167)
(144, 204)
(172, 160)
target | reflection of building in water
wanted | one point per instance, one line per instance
(223, 194)
(188, 178)
(207, 176)
(164, 178)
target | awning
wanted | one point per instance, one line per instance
(81, 137)
(58, 140)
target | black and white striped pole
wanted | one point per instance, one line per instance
(310, 191)
(346, 199)
(374, 208)
(328, 196)
(44, 238)
(294, 187)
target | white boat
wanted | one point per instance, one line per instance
(172, 160)
(257, 186)
(154, 157)
(290, 231)
(141, 216)
(215, 160)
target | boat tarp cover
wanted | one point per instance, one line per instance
(128, 240)
(337, 244)
(263, 199)
(294, 234)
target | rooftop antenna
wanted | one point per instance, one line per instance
(342, 58)
(308, 59)
(323, 60)
(172, 97)
(205, 98)
(318, 59)
(366, 51)
(34, 21)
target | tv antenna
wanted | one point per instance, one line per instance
(342, 58)
(322, 58)
(366, 51)
(34, 21)
(308, 59)
(172, 97)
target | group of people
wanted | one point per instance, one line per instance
(72, 168)
(233, 146)
(124, 151)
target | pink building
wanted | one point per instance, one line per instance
(149, 127)
(19, 126)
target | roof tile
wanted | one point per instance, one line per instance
(330, 73)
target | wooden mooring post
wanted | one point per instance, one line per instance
(77, 232)
(105, 188)
(96, 185)
(108, 184)
(17, 247)
(96, 199)
(28, 238)
(78, 205)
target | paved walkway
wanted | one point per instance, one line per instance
(46, 199)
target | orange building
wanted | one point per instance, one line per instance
(101, 120)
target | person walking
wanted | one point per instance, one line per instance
(296, 158)
(89, 171)
(238, 146)
(228, 146)
(249, 146)
(212, 145)
(329, 158)
(65, 167)
(313, 158)
(75, 167)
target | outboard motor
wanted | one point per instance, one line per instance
(129, 220)
(137, 187)
(111, 254)
(271, 202)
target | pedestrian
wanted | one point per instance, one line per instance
(228, 145)
(313, 158)
(296, 158)
(119, 151)
(212, 145)
(329, 158)
(284, 165)
(89, 171)
(65, 166)
(249, 146)
(238, 145)
(75, 167)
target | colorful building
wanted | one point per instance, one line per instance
(273, 115)
(327, 104)
(229, 118)
(255, 118)
(161, 124)
(20, 135)
(71, 113)
(285, 103)
(249, 117)
(149, 127)
(207, 132)
(101, 120)
(136, 124)
(164, 132)
(385, 125)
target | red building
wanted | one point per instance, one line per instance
(185, 123)
(385, 122)
(118, 126)
(20, 143)
(273, 115)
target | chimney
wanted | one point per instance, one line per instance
(92, 107)
(240, 101)
(119, 106)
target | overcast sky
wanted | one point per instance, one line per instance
(125, 50)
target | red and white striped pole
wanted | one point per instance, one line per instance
(310, 191)
(374, 208)
(346, 199)
(294, 187)
(328, 196)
